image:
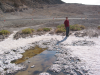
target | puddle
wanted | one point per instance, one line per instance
(42, 63)
(28, 54)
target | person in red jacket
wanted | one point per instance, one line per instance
(66, 23)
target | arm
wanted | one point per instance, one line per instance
(65, 24)
(68, 22)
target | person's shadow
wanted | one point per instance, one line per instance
(61, 40)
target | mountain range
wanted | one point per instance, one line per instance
(49, 7)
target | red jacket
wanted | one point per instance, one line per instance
(66, 23)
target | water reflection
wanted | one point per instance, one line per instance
(28, 54)
(42, 63)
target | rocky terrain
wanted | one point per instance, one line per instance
(15, 14)
(19, 5)
(43, 8)
(20, 14)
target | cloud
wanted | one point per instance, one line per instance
(90, 2)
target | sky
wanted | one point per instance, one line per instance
(87, 2)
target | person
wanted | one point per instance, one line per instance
(66, 23)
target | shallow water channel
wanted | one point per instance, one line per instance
(41, 59)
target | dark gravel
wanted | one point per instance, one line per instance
(86, 22)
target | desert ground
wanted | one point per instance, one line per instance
(73, 55)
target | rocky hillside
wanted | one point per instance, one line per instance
(19, 5)
(50, 8)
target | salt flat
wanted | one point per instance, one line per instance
(89, 54)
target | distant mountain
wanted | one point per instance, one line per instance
(15, 5)
(50, 8)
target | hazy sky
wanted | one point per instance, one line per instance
(89, 2)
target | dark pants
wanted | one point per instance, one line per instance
(67, 31)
